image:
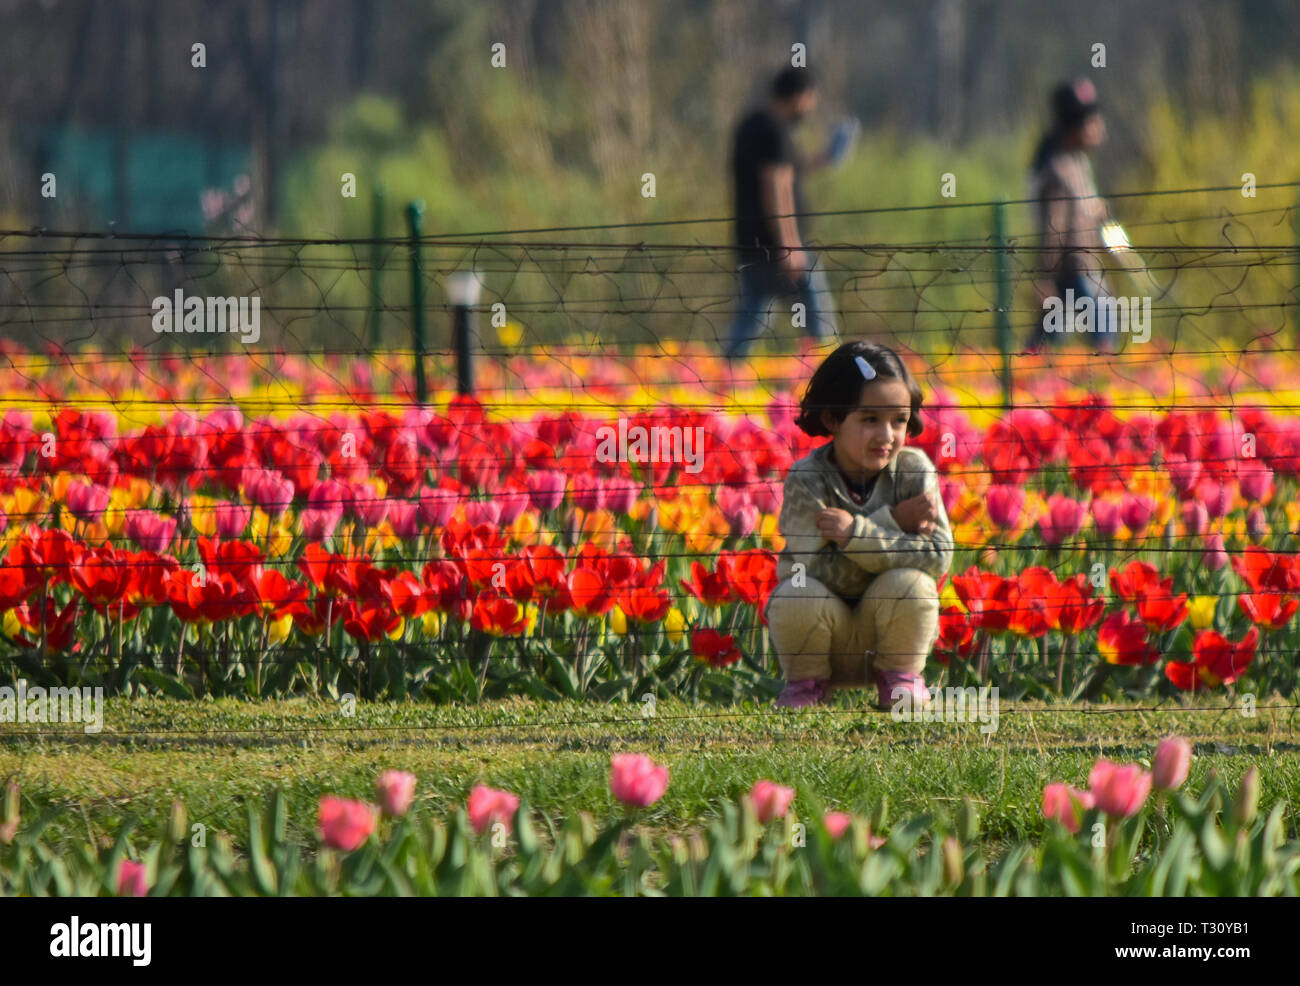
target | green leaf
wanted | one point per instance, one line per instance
(165, 683)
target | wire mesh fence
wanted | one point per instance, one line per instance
(408, 465)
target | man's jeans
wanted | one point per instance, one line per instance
(761, 282)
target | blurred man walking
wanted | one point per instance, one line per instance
(766, 171)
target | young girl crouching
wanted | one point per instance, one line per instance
(866, 537)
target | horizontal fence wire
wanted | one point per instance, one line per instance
(451, 407)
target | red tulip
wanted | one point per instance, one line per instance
(712, 647)
(1121, 640)
(1216, 661)
(710, 588)
(498, 616)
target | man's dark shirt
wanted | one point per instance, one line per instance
(761, 140)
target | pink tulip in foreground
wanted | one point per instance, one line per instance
(486, 806)
(1119, 791)
(1173, 758)
(396, 792)
(635, 780)
(770, 800)
(837, 823)
(131, 881)
(345, 824)
(1064, 804)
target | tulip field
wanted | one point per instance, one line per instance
(294, 535)
(204, 534)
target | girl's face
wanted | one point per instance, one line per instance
(873, 431)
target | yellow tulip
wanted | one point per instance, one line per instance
(618, 621)
(1200, 609)
(279, 629)
(948, 597)
(674, 625)
(431, 623)
(12, 626)
(524, 529)
(396, 632)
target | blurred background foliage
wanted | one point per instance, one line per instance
(597, 93)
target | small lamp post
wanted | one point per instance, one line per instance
(463, 289)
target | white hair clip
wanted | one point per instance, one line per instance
(868, 371)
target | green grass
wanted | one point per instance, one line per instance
(213, 755)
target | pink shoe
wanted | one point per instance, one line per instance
(797, 694)
(892, 685)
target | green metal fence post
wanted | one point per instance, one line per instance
(414, 213)
(1003, 299)
(1295, 303)
(376, 264)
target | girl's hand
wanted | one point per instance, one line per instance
(918, 514)
(835, 525)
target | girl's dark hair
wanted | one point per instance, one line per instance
(837, 385)
(1047, 147)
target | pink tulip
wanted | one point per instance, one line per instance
(368, 505)
(1183, 473)
(1106, 515)
(511, 501)
(546, 489)
(1214, 557)
(1256, 480)
(770, 800)
(1257, 525)
(87, 501)
(268, 489)
(396, 792)
(744, 523)
(345, 824)
(837, 823)
(1173, 759)
(1063, 803)
(1119, 791)
(151, 531)
(1004, 504)
(1195, 517)
(767, 496)
(482, 512)
(951, 491)
(635, 780)
(486, 806)
(131, 879)
(437, 505)
(329, 495)
(588, 492)
(1217, 497)
(621, 494)
(1064, 519)
(231, 519)
(1137, 511)
(319, 524)
(403, 515)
